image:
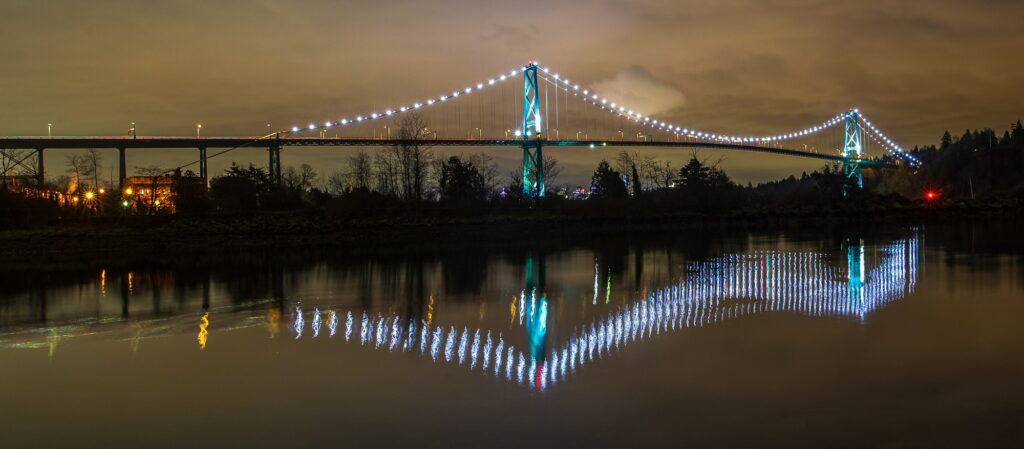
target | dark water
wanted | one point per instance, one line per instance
(902, 337)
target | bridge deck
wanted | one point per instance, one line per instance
(267, 142)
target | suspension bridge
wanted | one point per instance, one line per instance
(545, 110)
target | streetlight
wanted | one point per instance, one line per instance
(269, 130)
(199, 126)
(131, 130)
(479, 133)
(49, 130)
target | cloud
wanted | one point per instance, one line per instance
(636, 88)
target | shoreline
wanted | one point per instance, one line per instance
(148, 239)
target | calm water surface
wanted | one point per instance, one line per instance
(903, 337)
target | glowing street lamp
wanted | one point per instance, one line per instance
(199, 126)
(49, 130)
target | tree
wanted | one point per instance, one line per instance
(300, 180)
(77, 167)
(188, 193)
(662, 174)
(92, 161)
(489, 170)
(339, 183)
(697, 175)
(607, 182)
(461, 181)
(636, 183)
(154, 174)
(947, 140)
(637, 167)
(240, 189)
(385, 169)
(361, 169)
(410, 159)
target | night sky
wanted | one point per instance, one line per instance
(741, 67)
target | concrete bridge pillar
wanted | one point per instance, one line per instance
(40, 176)
(274, 163)
(202, 167)
(122, 170)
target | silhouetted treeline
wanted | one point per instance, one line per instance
(976, 164)
(411, 181)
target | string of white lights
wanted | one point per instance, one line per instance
(411, 107)
(887, 143)
(593, 98)
(622, 110)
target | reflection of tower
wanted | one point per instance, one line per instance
(535, 306)
(855, 270)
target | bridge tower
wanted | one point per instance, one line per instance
(533, 156)
(852, 151)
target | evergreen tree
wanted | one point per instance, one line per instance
(947, 140)
(608, 182)
(636, 183)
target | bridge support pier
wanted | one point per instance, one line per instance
(40, 176)
(533, 170)
(202, 167)
(274, 163)
(122, 169)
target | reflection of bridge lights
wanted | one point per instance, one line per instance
(508, 364)
(435, 344)
(315, 325)
(474, 349)
(727, 287)
(462, 346)
(487, 352)
(348, 326)
(449, 344)
(498, 351)
(299, 323)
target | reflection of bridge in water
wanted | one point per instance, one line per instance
(723, 288)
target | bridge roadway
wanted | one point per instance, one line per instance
(120, 142)
(275, 144)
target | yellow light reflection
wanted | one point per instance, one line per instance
(512, 312)
(52, 341)
(273, 322)
(430, 311)
(204, 322)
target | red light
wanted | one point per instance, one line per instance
(931, 195)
